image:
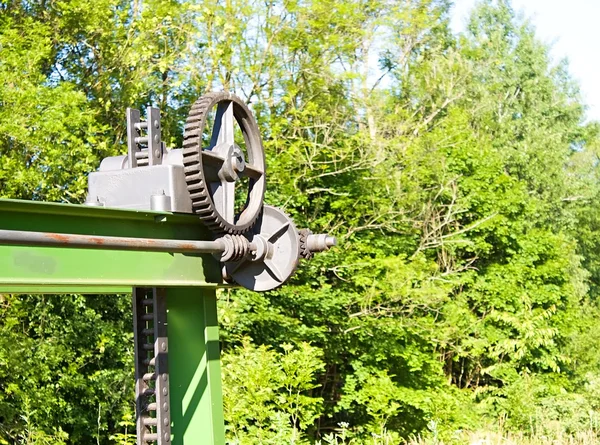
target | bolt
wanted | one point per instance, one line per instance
(165, 407)
(156, 124)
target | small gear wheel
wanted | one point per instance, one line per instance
(211, 172)
(304, 250)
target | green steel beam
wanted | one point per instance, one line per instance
(66, 270)
(194, 367)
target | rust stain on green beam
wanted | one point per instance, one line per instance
(47, 269)
(56, 267)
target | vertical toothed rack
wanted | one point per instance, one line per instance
(151, 366)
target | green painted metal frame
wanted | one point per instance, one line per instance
(191, 282)
(65, 270)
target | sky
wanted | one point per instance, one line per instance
(572, 29)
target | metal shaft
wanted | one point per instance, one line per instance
(22, 238)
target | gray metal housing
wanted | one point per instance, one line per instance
(156, 187)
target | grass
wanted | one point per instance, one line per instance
(503, 438)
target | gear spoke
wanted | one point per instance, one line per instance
(229, 204)
(223, 129)
(213, 163)
(274, 271)
(279, 233)
(252, 172)
(212, 159)
(223, 194)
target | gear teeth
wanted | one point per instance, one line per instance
(202, 203)
(304, 250)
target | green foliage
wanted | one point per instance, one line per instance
(49, 138)
(462, 185)
(268, 395)
(65, 367)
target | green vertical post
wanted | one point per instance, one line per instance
(194, 367)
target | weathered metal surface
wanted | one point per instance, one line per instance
(276, 253)
(58, 248)
(61, 288)
(213, 173)
(67, 240)
(136, 188)
(27, 269)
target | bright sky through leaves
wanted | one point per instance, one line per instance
(572, 30)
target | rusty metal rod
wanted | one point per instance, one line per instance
(23, 238)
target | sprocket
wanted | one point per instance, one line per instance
(305, 252)
(211, 173)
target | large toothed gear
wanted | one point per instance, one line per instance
(211, 173)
